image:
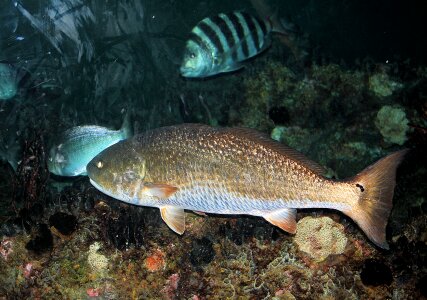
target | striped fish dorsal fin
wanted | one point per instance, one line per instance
(265, 140)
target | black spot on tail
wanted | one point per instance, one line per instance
(362, 189)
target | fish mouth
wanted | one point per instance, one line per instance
(117, 196)
(97, 186)
(188, 71)
(101, 189)
(185, 72)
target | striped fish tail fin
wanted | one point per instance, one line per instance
(372, 209)
(270, 15)
(287, 30)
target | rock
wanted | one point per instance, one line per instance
(66, 224)
(202, 252)
(279, 115)
(246, 228)
(375, 273)
(42, 242)
(422, 286)
(126, 229)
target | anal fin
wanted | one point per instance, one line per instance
(284, 218)
(174, 217)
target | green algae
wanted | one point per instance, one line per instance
(393, 124)
(382, 86)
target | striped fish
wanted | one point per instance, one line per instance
(221, 43)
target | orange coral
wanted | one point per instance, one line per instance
(155, 261)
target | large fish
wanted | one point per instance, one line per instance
(78, 145)
(238, 171)
(221, 43)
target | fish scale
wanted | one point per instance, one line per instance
(238, 171)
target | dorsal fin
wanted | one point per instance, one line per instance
(265, 140)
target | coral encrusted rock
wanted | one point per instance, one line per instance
(320, 237)
(393, 124)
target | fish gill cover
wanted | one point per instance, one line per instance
(344, 83)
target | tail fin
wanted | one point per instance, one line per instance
(376, 184)
(267, 13)
(287, 31)
(127, 130)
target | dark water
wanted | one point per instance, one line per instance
(356, 91)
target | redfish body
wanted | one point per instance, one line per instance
(238, 171)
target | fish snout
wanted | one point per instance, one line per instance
(187, 71)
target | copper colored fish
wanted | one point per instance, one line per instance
(238, 171)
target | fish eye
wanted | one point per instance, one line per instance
(99, 164)
(192, 55)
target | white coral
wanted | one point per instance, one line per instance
(98, 262)
(320, 237)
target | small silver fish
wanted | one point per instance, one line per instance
(9, 79)
(221, 43)
(78, 145)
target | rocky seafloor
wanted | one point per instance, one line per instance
(62, 239)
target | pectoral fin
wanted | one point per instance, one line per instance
(174, 217)
(284, 218)
(158, 190)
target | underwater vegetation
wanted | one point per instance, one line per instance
(393, 124)
(67, 64)
(85, 244)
